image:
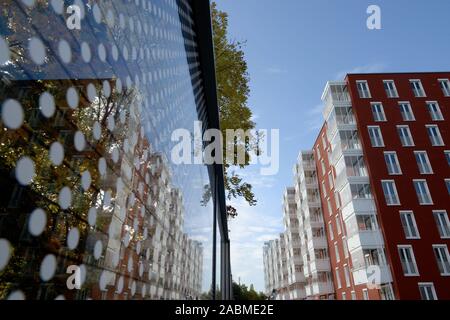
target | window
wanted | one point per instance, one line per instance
(435, 135)
(330, 230)
(324, 141)
(405, 136)
(409, 225)
(336, 251)
(344, 296)
(390, 192)
(442, 223)
(435, 111)
(338, 279)
(445, 86)
(442, 259)
(353, 295)
(427, 291)
(360, 191)
(406, 111)
(324, 190)
(375, 137)
(330, 180)
(447, 156)
(392, 164)
(389, 87)
(423, 162)
(338, 225)
(330, 210)
(365, 294)
(408, 261)
(322, 163)
(345, 246)
(447, 184)
(337, 199)
(378, 111)
(367, 222)
(347, 276)
(422, 191)
(416, 86)
(363, 89)
(386, 292)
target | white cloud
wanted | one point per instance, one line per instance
(248, 232)
(256, 179)
(275, 70)
(370, 68)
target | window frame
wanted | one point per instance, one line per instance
(447, 156)
(446, 220)
(369, 128)
(433, 290)
(446, 273)
(338, 278)
(398, 202)
(397, 162)
(388, 90)
(358, 82)
(445, 92)
(427, 159)
(365, 293)
(377, 113)
(411, 251)
(410, 112)
(432, 113)
(427, 189)
(413, 220)
(438, 131)
(400, 128)
(421, 88)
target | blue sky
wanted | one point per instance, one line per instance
(295, 46)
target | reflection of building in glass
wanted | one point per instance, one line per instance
(84, 154)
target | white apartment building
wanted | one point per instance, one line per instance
(283, 263)
(313, 241)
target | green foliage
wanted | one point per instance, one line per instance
(241, 292)
(233, 91)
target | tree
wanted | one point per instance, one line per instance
(233, 91)
(241, 292)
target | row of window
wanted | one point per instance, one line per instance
(391, 89)
(422, 160)
(412, 231)
(426, 290)
(406, 138)
(409, 264)
(406, 111)
(420, 186)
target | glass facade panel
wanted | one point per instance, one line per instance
(92, 207)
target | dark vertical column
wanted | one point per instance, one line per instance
(214, 253)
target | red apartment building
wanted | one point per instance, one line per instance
(383, 167)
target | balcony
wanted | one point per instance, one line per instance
(322, 287)
(309, 165)
(308, 290)
(358, 206)
(317, 243)
(365, 239)
(314, 221)
(298, 294)
(319, 265)
(365, 274)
